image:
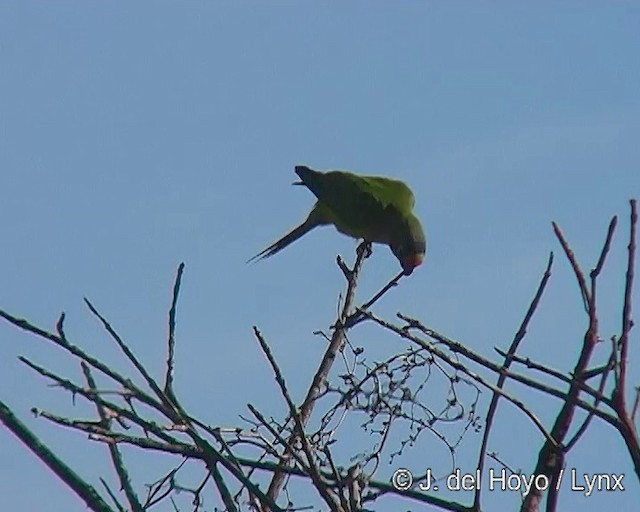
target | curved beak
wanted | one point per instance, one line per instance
(411, 261)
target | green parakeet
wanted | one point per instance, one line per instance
(374, 208)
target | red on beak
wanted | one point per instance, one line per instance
(412, 261)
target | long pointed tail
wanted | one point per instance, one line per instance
(287, 239)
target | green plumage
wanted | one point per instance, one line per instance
(373, 208)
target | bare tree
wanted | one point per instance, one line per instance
(270, 464)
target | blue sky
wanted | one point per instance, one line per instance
(135, 136)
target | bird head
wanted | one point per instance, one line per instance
(409, 245)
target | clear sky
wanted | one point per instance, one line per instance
(137, 135)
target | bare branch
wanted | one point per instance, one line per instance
(337, 341)
(582, 284)
(458, 366)
(116, 457)
(171, 342)
(627, 426)
(358, 317)
(493, 406)
(169, 408)
(86, 492)
(311, 466)
(62, 342)
(551, 455)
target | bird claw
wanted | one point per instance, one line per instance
(364, 249)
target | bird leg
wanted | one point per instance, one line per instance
(364, 247)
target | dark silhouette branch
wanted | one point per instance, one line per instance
(337, 341)
(390, 393)
(84, 491)
(171, 341)
(627, 426)
(493, 406)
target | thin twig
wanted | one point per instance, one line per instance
(507, 362)
(582, 284)
(147, 426)
(86, 492)
(628, 430)
(169, 408)
(551, 455)
(567, 379)
(62, 342)
(636, 404)
(116, 456)
(280, 440)
(358, 317)
(459, 348)
(112, 495)
(171, 342)
(460, 367)
(311, 465)
(585, 424)
(337, 341)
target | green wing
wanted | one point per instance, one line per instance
(339, 188)
(387, 191)
(369, 207)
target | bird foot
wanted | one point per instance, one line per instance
(365, 249)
